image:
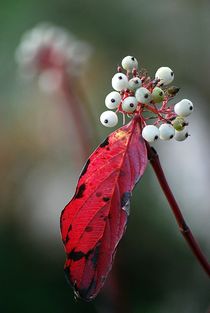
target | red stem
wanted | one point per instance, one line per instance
(74, 105)
(184, 229)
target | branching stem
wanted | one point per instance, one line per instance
(184, 229)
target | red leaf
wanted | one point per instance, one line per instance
(94, 221)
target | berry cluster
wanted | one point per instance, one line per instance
(135, 93)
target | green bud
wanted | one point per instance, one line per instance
(172, 91)
(157, 95)
(179, 123)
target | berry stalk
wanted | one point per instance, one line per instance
(184, 229)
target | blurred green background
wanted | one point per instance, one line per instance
(40, 163)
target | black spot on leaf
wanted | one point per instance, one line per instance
(125, 201)
(84, 170)
(66, 240)
(122, 173)
(67, 236)
(76, 255)
(125, 198)
(80, 191)
(95, 256)
(88, 229)
(62, 214)
(105, 142)
(61, 219)
(106, 199)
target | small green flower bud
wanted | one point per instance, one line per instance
(179, 123)
(172, 91)
(157, 95)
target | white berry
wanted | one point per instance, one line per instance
(129, 104)
(181, 135)
(150, 133)
(119, 81)
(112, 100)
(183, 108)
(165, 75)
(135, 83)
(143, 95)
(109, 119)
(129, 63)
(167, 132)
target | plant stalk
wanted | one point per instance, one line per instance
(184, 229)
(74, 104)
